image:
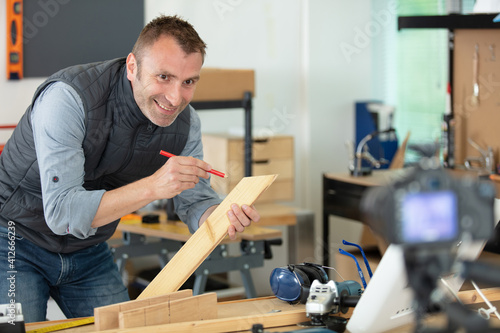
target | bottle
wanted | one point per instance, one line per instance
(448, 133)
(444, 142)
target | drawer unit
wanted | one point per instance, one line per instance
(272, 155)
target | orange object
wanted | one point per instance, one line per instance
(495, 178)
(14, 39)
(131, 216)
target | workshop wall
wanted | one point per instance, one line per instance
(310, 68)
(476, 119)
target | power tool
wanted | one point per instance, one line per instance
(308, 283)
(331, 298)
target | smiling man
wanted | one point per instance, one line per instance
(85, 153)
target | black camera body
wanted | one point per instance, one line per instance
(429, 206)
(431, 213)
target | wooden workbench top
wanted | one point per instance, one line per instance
(376, 178)
(271, 214)
(232, 316)
(179, 231)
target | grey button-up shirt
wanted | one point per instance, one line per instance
(58, 120)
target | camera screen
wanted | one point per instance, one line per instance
(429, 217)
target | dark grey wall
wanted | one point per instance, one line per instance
(61, 33)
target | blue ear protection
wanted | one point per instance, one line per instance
(292, 283)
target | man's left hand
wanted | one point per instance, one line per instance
(241, 217)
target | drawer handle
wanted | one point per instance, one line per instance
(261, 162)
(331, 192)
(260, 140)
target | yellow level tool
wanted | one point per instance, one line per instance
(62, 326)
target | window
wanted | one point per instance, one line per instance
(410, 68)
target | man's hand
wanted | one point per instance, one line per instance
(241, 218)
(178, 174)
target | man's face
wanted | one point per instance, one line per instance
(165, 83)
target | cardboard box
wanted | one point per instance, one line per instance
(218, 84)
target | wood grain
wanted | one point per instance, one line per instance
(206, 238)
(200, 307)
(106, 317)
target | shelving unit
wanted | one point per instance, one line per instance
(450, 22)
(246, 104)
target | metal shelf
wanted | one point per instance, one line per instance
(450, 22)
(246, 104)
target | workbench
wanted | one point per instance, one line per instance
(254, 246)
(241, 315)
(232, 316)
(342, 194)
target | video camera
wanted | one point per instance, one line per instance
(432, 214)
(428, 206)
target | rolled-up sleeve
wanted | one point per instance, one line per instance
(58, 122)
(191, 204)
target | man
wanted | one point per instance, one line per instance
(85, 153)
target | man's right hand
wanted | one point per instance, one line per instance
(178, 174)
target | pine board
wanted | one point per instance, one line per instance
(206, 238)
(106, 317)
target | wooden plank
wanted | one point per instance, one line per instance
(269, 311)
(204, 307)
(106, 317)
(194, 308)
(232, 324)
(473, 297)
(206, 238)
(256, 306)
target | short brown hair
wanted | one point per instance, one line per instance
(183, 32)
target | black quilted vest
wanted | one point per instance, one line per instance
(121, 146)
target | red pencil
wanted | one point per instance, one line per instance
(214, 172)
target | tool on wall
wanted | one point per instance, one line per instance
(362, 153)
(475, 76)
(14, 39)
(485, 164)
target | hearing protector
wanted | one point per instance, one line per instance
(291, 283)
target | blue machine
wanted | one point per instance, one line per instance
(373, 117)
(292, 283)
